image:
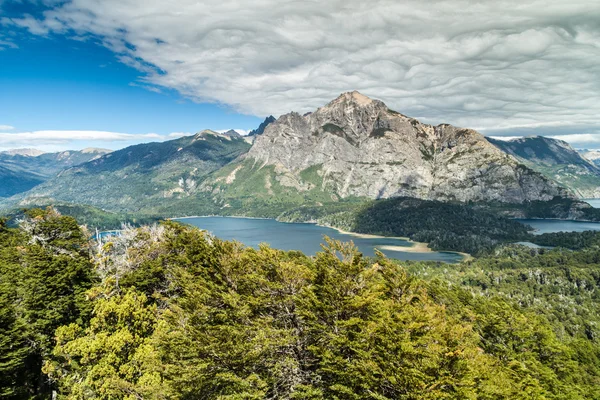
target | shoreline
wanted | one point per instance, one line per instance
(417, 247)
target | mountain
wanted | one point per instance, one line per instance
(261, 128)
(232, 134)
(23, 152)
(591, 155)
(23, 169)
(143, 177)
(13, 182)
(556, 160)
(356, 147)
(352, 150)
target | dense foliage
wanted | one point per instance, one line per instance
(559, 285)
(45, 272)
(169, 312)
(569, 240)
(558, 207)
(445, 226)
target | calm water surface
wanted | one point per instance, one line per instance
(304, 237)
(551, 225)
(593, 202)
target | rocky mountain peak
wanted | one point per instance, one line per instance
(352, 102)
(354, 97)
(261, 128)
(361, 148)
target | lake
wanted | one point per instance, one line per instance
(553, 225)
(593, 202)
(305, 237)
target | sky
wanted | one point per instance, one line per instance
(109, 73)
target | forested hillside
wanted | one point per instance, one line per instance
(169, 312)
(445, 226)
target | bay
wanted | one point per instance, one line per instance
(556, 225)
(306, 237)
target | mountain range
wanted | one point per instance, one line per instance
(556, 160)
(23, 169)
(353, 149)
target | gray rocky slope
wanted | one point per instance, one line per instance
(362, 148)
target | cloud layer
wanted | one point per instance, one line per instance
(76, 140)
(505, 67)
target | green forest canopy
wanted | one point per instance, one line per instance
(169, 312)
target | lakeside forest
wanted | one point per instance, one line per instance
(476, 229)
(166, 311)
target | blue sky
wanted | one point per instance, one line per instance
(54, 83)
(114, 72)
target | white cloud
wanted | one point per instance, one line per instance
(582, 140)
(500, 66)
(6, 128)
(74, 140)
(505, 138)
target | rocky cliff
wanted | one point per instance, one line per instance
(358, 147)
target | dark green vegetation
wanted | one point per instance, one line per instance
(557, 208)
(557, 161)
(445, 226)
(45, 272)
(20, 173)
(166, 312)
(569, 240)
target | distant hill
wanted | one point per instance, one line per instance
(23, 152)
(592, 155)
(556, 160)
(23, 169)
(142, 178)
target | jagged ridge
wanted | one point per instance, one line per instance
(361, 148)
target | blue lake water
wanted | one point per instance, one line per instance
(553, 225)
(304, 237)
(593, 202)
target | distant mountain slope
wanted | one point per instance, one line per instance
(556, 160)
(591, 155)
(142, 177)
(23, 169)
(357, 147)
(23, 152)
(13, 182)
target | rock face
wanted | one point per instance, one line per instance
(360, 147)
(261, 128)
(556, 160)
